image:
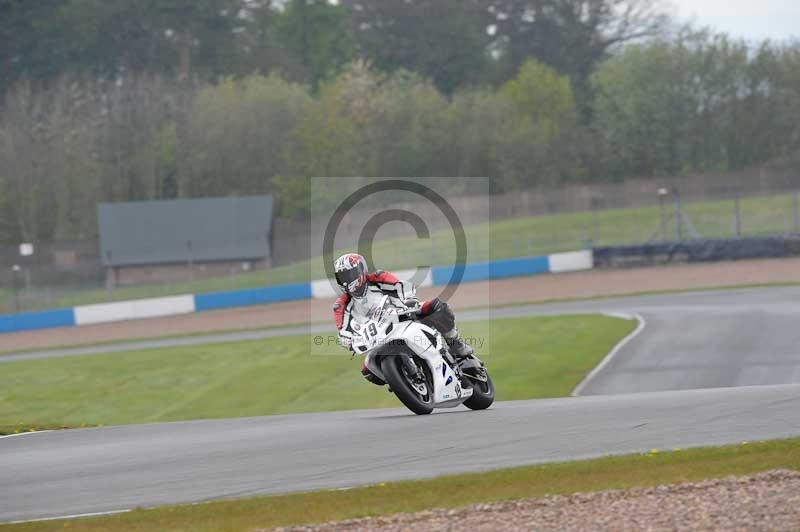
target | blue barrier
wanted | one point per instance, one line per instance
(441, 275)
(518, 267)
(255, 296)
(475, 271)
(27, 321)
(480, 271)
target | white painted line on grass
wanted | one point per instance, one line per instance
(73, 516)
(611, 354)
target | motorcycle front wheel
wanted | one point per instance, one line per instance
(482, 394)
(415, 395)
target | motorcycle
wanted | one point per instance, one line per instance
(415, 361)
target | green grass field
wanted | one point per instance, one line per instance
(280, 376)
(527, 357)
(537, 235)
(619, 472)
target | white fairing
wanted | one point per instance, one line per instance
(447, 391)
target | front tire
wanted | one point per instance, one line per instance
(482, 394)
(394, 371)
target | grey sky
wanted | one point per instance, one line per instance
(750, 19)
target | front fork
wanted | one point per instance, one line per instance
(473, 369)
(411, 367)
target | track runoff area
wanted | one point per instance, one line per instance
(724, 364)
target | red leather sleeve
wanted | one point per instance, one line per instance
(381, 276)
(338, 309)
(426, 308)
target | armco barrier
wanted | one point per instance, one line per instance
(46, 319)
(319, 289)
(711, 250)
(256, 296)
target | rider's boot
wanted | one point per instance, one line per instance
(458, 346)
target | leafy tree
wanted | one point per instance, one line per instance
(543, 95)
(643, 109)
(261, 46)
(47, 168)
(695, 101)
(240, 136)
(331, 132)
(318, 35)
(117, 37)
(444, 40)
(572, 36)
(698, 102)
(407, 128)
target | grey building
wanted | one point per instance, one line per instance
(171, 240)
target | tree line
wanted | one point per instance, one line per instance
(454, 43)
(104, 101)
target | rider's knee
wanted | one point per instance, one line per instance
(440, 316)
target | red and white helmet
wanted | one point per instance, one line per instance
(351, 274)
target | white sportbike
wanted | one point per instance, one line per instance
(416, 363)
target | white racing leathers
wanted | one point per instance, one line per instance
(379, 284)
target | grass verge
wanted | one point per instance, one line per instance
(617, 472)
(778, 284)
(515, 237)
(528, 358)
(195, 334)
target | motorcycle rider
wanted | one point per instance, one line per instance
(362, 289)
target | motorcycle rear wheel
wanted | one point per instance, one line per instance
(394, 372)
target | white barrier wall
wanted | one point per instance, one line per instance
(323, 289)
(571, 261)
(130, 310)
(406, 275)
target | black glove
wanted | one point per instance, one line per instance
(412, 302)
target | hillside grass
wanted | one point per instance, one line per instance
(527, 357)
(618, 472)
(500, 239)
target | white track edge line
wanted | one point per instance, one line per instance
(616, 349)
(24, 433)
(73, 516)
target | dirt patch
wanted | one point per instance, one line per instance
(518, 290)
(767, 501)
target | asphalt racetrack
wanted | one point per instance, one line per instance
(727, 340)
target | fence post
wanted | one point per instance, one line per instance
(795, 213)
(190, 260)
(16, 270)
(738, 214)
(111, 277)
(678, 217)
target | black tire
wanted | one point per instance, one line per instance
(392, 368)
(482, 394)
